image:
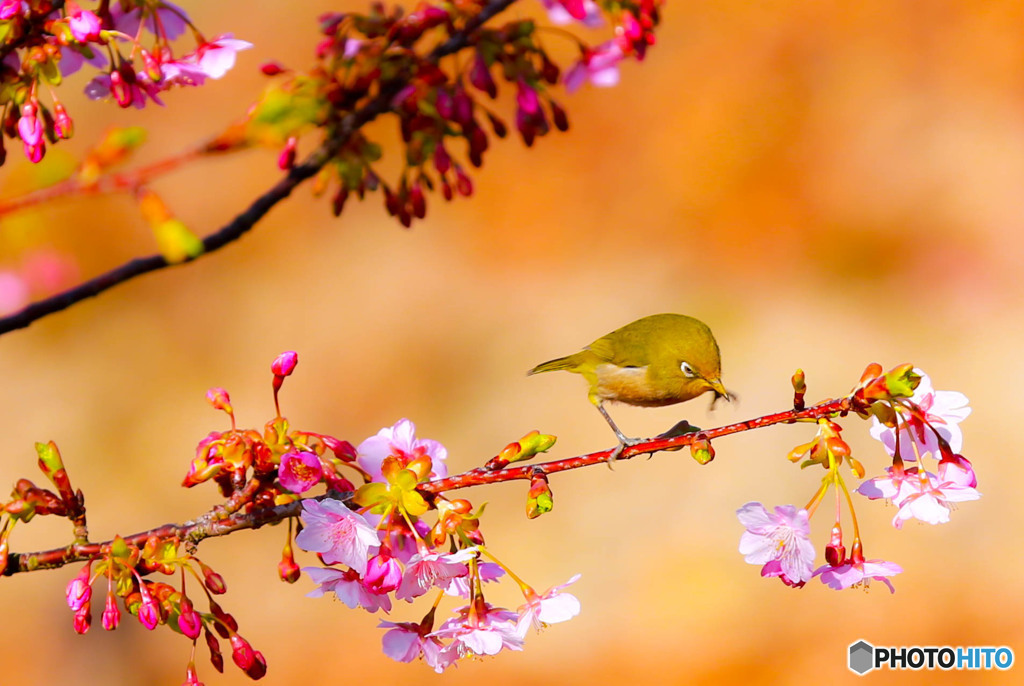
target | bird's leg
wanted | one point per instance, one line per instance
(624, 440)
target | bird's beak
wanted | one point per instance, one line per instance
(719, 389)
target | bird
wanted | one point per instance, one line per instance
(658, 360)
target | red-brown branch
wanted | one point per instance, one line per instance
(212, 524)
(108, 183)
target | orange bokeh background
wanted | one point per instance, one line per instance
(826, 184)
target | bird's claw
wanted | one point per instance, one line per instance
(624, 442)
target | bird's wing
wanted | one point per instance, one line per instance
(626, 351)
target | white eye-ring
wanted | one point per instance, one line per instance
(688, 370)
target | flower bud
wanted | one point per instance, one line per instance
(287, 569)
(79, 591)
(213, 581)
(835, 555)
(286, 160)
(242, 652)
(191, 677)
(149, 609)
(189, 621)
(799, 389)
(284, 364)
(83, 618)
(463, 183)
(442, 161)
(701, 450)
(539, 500)
(219, 399)
(383, 574)
(480, 76)
(111, 613)
(64, 127)
(216, 657)
(272, 68)
(226, 623)
(258, 669)
(558, 116)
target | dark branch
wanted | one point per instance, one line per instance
(259, 208)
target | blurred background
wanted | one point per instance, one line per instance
(825, 184)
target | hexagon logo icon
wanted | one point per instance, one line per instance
(861, 658)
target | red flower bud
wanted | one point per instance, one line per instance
(272, 68)
(83, 618)
(216, 657)
(189, 621)
(242, 652)
(149, 609)
(111, 613)
(284, 364)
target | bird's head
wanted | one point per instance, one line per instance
(696, 360)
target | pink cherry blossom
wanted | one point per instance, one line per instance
(600, 66)
(73, 57)
(348, 587)
(136, 94)
(10, 8)
(483, 632)
(782, 536)
(300, 470)
(85, 26)
(550, 607)
(943, 410)
(216, 58)
(400, 441)
(855, 573)
(584, 11)
(927, 500)
(426, 570)
(404, 543)
(337, 533)
(488, 571)
(405, 642)
(169, 20)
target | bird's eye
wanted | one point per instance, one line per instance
(688, 370)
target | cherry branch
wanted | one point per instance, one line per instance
(108, 183)
(246, 220)
(214, 524)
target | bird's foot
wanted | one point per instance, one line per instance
(624, 442)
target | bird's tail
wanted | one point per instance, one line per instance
(554, 365)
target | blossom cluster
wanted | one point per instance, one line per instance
(439, 105)
(374, 541)
(123, 564)
(914, 423)
(384, 550)
(129, 44)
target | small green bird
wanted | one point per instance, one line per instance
(659, 360)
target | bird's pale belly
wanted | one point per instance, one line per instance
(631, 385)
